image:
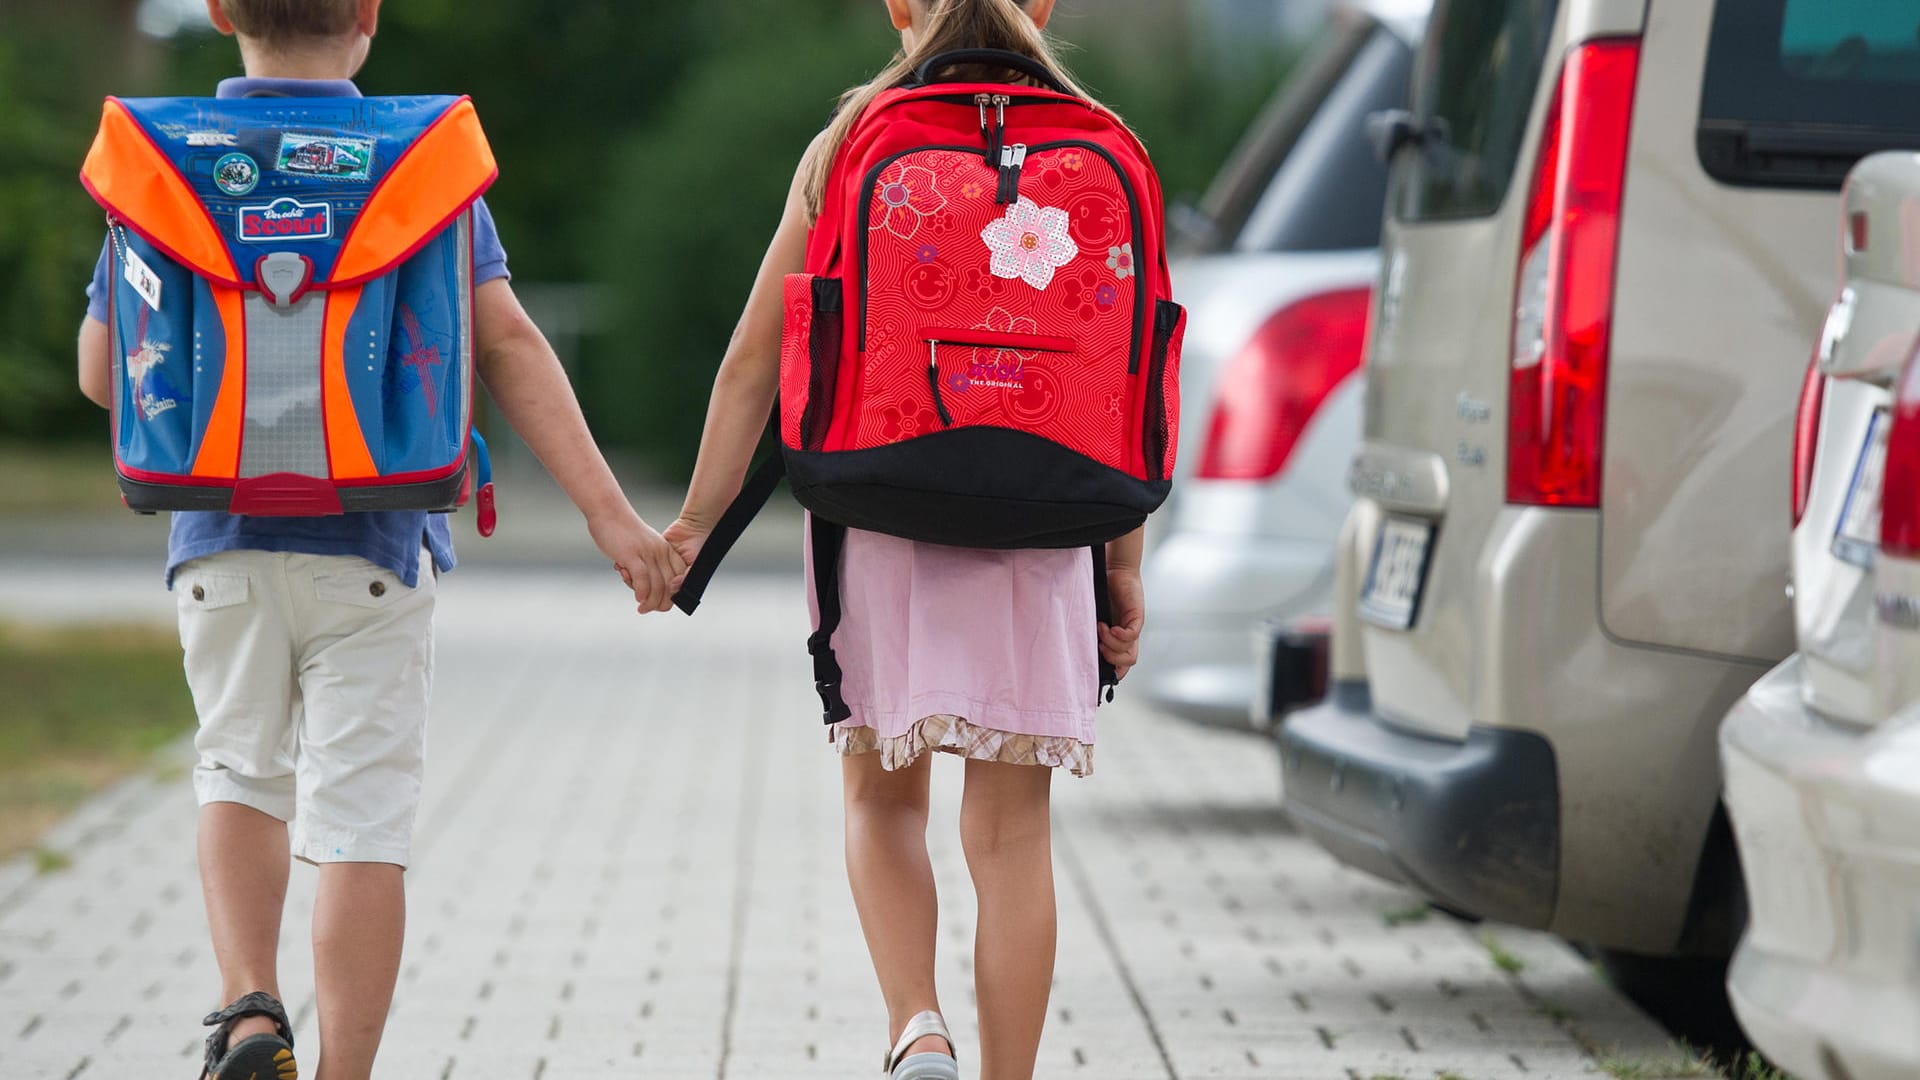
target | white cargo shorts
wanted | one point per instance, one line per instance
(311, 675)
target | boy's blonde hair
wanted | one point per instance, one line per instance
(280, 22)
(950, 25)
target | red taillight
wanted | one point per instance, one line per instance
(1806, 435)
(1272, 387)
(1900, 489)
(1563, 311)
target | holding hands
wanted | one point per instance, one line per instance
(647, 563)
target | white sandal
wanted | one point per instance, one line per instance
(923, 1066)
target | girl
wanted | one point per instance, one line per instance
(984, 654)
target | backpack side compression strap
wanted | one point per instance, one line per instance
(760, 486)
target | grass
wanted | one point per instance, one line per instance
(59, 480)
(1403, 916)
(1555, 1011)
(83, 707)
(1686, 1064)
(1502, 959)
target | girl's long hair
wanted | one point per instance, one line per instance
(950, 25)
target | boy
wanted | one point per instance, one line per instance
(307, 640)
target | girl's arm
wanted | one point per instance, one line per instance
(744, 390)
(1120, 642)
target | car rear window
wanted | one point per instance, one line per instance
(1248, 174)
(1473, 90)
(1797, 91)
(1327, 194)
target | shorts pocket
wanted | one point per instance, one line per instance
(371, 587)
(211, 592)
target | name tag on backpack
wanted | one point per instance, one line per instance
(143, 279)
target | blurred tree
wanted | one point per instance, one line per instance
(692, 202)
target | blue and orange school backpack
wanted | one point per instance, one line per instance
(983, 350)
(291, 302)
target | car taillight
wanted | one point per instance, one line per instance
(1806, 436)
(1270, 390)
(1900, 487)
(1563, 309)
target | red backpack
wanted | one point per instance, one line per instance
(983, 350)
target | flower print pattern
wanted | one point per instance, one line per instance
(1030, 243)
(972, 190)
(905, 199)
(1073, 161)
(1004, 368)
(983, 284)
(1120, 261)
(905, 421)
(1106, 296)
(1082, 293)
(927, 253)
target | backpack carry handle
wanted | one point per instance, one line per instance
(1001, 58)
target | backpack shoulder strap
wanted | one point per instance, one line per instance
(760, 486)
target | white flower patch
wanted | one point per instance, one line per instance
(1030, 243)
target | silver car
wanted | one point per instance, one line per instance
(1278, 297)
(1606, 252)
(1822, 755)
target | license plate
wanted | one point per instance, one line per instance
(1397, 574)
(1857, 535)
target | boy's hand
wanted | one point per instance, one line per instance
(647, 563)
(1120, 641)
(687, 540)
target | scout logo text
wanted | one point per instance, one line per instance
(326, 156)
(286, 219)
(235, 174)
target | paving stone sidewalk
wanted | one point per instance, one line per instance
(629, 864)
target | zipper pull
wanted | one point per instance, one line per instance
(1011, 159)
(983, 100)
(933, 383)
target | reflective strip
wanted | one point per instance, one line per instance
(135, 182)
(219, 454)
(463, 300)
(284, 429)
(434, 181)
(346, 443)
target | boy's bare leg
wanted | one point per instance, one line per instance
(359, 926)
(243, 875)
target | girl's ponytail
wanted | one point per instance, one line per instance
(951, 25)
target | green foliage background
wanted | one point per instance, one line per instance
(643, 148)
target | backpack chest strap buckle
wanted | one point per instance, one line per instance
(283, 277)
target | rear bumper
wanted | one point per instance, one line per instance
(1473, 824)
(1209, 593)
(1828, 821)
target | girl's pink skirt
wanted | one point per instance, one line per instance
(991, 655)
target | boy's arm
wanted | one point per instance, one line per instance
(525, 380)
(96, 372)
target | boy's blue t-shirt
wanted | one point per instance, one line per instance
(390, 539)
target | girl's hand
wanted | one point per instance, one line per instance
(687, 540)
(1120, 641)
(646, 562)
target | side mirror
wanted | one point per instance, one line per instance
(1392, 130)
(1192, 230)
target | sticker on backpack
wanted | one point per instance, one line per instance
(1030, 243)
